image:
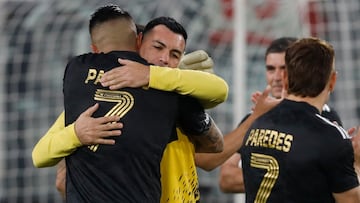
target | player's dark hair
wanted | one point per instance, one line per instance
(139, 28)
(107, 13)
(280, 45)
(309, 63)
(169, 22)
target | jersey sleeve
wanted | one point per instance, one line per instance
(192, 119)
(330, 113)
(58, 142)
(209, 89)
(339, 167)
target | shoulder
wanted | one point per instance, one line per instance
(84, 58)
(130, 55)
(330, 113)
(332, 128)
(79, 60)
(245, 117)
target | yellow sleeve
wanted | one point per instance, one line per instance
(58, 142)
(208, 88)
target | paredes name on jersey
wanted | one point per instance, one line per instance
(269, 139)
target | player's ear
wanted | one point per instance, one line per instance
(332, 81)
(139, 39)
(285, 80)
(94, 48)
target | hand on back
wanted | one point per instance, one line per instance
(91, 130)
(130, 74)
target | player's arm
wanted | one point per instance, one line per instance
(60, 182)
(58, 142)
(208, 88)
(349, 196)
(234, 140)
(200, 128)
(61, 141)
(231, 178)
(354, 132)
(91, 131)
(210, 141)
(339, 170)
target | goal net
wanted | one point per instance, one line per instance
(39, 36)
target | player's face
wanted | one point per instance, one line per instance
(275, 67)
(162, 47)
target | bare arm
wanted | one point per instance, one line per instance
(198, 126)
(350, 196)
(210, 141)
(61, 178)
(356, 146)
(231, 178)
(234, 140)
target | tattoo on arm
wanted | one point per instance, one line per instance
(210, 141)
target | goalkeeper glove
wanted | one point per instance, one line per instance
(197, 60)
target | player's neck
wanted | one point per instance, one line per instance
(109, 48)
(318, 102)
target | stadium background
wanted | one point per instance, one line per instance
(38, 36)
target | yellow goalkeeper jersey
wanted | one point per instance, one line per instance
(179, 178)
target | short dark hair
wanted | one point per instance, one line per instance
(139, 28)
(309, 63)
(280, 45)
(169, 22)
(107, 13)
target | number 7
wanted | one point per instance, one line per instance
(124, 100)
(271, 166)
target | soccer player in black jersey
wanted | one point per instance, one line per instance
(292, 153)
(129, 170)
(231, 177)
